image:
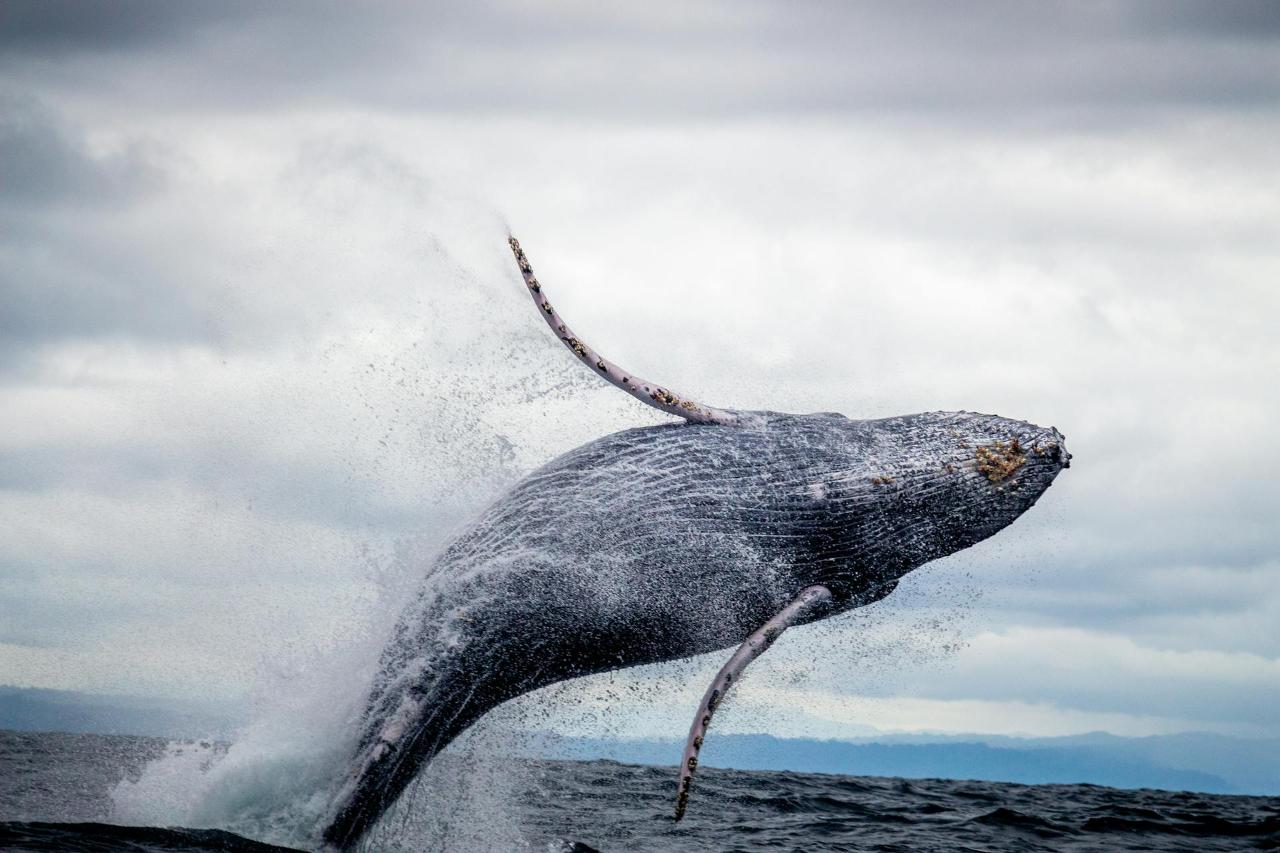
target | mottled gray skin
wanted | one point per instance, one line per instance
(665, 542)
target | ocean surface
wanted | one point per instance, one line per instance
(56, 794)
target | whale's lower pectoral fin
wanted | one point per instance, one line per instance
(811, 599)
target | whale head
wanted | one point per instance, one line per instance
(893, 494)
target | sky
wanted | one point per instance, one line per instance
(262, 345)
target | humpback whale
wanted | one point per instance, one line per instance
(722, 529)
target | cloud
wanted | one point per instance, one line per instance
(46, 161)
(1115, 63)
(261, 338)
(1098, 672)
(66, 27)
(68, 205)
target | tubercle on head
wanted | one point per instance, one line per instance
(648, 392)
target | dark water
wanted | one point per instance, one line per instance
(54, 796)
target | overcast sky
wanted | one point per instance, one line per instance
(262, 344)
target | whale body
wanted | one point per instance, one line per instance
(663, 542)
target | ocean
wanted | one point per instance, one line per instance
(56, 793)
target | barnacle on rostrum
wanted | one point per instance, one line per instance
(999, 460)
(1043, 450)
(577, 346)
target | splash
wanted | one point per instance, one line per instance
(434, 382)
(270, 783)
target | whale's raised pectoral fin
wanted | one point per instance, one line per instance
(642, 389)
(812, 599)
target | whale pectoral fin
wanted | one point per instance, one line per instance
(811, 599)
(652, 393)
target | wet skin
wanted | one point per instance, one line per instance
(665, 542)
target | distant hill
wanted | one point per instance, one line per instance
(28, 709)
(1185, 762)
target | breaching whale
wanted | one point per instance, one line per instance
(668, 541)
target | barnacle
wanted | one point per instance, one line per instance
(999, 460)
(577, 346)
(1051, 449)
(665, 397)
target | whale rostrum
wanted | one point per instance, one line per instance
(718, 531)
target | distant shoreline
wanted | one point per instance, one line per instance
(1199, 762)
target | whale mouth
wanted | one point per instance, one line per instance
(1057, 448)
(1064, 456)
(1046, 446)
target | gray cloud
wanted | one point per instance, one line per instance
(64, 27)
(1117, 63)
(46, 161)
(65, 269)
(1239, 19)
(1127, 677)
